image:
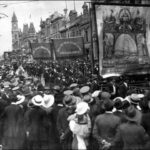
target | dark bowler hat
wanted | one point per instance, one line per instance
(69, 100)
(88, 98)
(132, 114)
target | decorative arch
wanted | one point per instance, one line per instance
(125, 45)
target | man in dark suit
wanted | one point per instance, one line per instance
(35, 131)
(118, 105)
(13, 134)
(63, 123)
(130, 134)
(105, 125)
(122, 89)
(111, 88)
(146, 120)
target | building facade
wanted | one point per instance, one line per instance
(67, 25)
(21, 39)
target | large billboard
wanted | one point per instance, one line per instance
(123, 36)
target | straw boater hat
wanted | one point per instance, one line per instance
(37, 100)
(73, 85)
(135, 98)
(82, 108)
(20, 99)
(48, 101)
(68, 92)
(84, 90)
(16, 88)
(96, 93)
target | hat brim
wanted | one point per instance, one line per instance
(50, 103)
(135, 118)
(22, 99)
(83, 111)
(36, 103)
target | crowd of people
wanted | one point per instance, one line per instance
(70, 111)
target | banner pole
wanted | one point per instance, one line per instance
(91, 29)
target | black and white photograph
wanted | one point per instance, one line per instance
(75, 75)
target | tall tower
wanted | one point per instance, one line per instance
(15, 33)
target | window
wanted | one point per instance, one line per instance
(15, 36)
(86, 36)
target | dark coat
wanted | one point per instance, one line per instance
(146, 122)
(13, 135)
(54, 114)
(34, 125)
(132, 136)
(122, 90)
(49, 138)
(95, 110)
(6, 98)
(121, 115)
(110, 89)
(105, 127)
(63, 128)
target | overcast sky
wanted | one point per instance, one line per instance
(27, 12)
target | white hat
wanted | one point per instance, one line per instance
(37, 100)
(96, 93)
(135, 98)
(73, 85)
(127, 98)
(48, 101)
(81, 108)
(6, 84)
(120, 98)
(20, 99)
(15, 88)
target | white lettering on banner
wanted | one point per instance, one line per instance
(41, 47)
(78, 51)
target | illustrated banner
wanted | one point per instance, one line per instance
(69, 47)
(124, 37)
(41, 50)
